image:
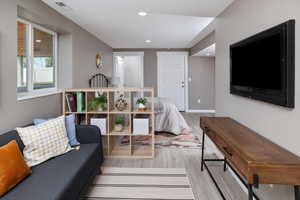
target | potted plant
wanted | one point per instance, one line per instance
(98, 103)
(141, 102)
(119, 123)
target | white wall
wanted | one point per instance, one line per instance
(243, 19)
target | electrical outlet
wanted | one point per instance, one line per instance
(199, 101)
(271, 185)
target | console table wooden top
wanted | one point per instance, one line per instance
(252, 154)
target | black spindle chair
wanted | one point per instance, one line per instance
(98, 81)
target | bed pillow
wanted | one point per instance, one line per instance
(13, 167)
(70, 126)
(44, 141)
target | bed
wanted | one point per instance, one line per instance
(167, 117)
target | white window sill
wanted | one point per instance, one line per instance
(33, 95)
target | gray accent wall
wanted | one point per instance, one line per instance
(202, 84)
(242, 19)
(77, 52)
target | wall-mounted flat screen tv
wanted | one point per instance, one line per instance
(263, 66)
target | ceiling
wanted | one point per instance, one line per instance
(207, 52)
(169, 23)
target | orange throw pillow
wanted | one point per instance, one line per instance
(13, 167)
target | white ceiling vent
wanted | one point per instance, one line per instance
(62, 5)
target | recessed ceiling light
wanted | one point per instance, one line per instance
(143, 13)
(148, 41)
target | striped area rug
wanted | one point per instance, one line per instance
(141, 183)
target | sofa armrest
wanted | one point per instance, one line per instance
(87, 134)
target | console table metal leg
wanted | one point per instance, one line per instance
(297, 192)
(202, 152)
(225, 164)
(250, 192)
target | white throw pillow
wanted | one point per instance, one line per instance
(44, 141)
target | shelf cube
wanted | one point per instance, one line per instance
(140, 126)
(101, 123)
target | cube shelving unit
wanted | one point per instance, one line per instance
(112, 140)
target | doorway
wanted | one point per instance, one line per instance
(129, 69)
(172, 78)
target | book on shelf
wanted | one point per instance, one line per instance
(68, 104)
(80, 101)
(71, 102)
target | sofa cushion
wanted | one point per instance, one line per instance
(13, 167)
(44, 141)
(61, 178)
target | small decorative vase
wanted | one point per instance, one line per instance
(141, 107)
(121, 103)
(118, 127)
(101, 107)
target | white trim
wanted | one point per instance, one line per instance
(41, 28)
(185, 53)
(186, 82)
(130, 53)
(186, 73)
(30, 51)
(27, 96)
(142, 71)
(201, 111)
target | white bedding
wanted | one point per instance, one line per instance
(168, 118)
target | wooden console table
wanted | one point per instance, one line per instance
(253, 158)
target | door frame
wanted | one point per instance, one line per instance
(130, 53)
(186, 73)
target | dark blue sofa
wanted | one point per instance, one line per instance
(65, 177)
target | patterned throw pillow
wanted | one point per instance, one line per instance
(70, 127)
(44, 141)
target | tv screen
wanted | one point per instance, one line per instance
(262, 66)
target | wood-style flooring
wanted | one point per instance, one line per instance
(189, 159)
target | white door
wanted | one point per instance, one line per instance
(171, 77)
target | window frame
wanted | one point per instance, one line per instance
(31, 92)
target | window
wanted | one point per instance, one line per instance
(22, 58)
(36, 59)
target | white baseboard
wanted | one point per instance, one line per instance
(201, 111)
